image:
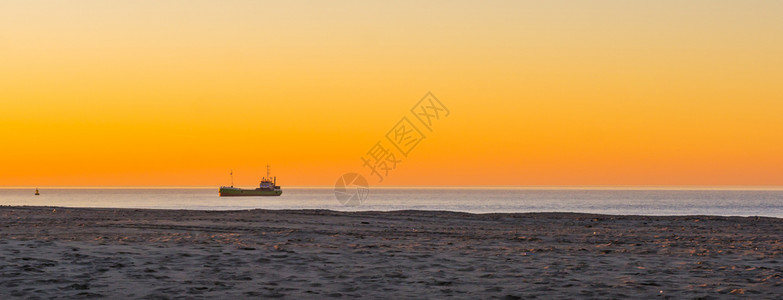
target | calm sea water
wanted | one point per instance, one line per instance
(604, 201)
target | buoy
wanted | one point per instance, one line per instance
(36, 192)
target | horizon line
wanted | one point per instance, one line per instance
(521, 187)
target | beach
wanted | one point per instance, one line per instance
(310, 254)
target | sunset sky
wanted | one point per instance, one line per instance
(177, 93)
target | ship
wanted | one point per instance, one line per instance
(267, 187)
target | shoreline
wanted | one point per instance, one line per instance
(86, 252)
(517, 214)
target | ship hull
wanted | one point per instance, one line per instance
(235, 192)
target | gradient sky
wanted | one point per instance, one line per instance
(177, 93)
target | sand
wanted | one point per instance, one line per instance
(314, 254)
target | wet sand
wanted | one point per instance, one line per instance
(312, 254)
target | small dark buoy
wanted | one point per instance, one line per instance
(36, 192)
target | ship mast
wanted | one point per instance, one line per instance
(267, 172)
(232, 177)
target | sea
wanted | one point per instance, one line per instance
(615, 201)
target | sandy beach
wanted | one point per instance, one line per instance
(133, 253)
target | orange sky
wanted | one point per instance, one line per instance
(177, 93)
